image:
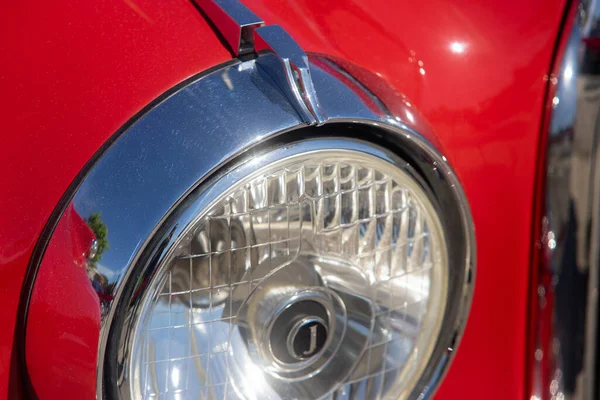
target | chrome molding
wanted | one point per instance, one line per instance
(566, 327)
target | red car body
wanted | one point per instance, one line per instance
(73, 73)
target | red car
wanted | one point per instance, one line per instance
(263, 199)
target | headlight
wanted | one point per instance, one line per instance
(244, 253)
(325, 271)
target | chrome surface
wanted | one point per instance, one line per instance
(234, 21)
(288, 66)
(286, 62)
(565, 356)
(177, 146)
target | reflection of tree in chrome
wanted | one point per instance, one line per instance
(100, 230)
(98, 280)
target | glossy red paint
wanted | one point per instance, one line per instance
(62, 346)
(71, 74)
(475, 71)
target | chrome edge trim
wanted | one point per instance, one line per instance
(568, 278)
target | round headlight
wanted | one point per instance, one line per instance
(299, 274)
(261, 242)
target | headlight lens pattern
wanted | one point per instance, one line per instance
(339, 253)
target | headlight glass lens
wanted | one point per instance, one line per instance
(321, 274)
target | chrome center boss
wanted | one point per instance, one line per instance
(276, 228)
